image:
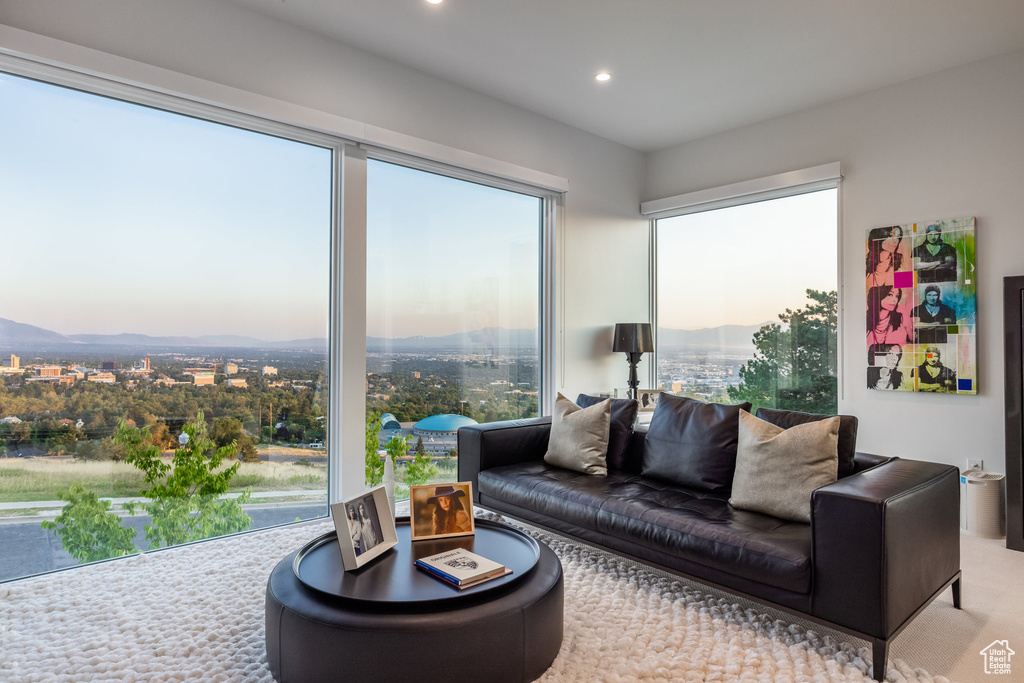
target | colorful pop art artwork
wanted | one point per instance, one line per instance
(921, 304)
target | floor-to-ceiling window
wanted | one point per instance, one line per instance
(165, 309)
(747, 303)
(453, 315)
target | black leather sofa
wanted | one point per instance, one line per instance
(883, 541)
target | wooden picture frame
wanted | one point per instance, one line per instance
(366, 527)
(648, 399)
(431, 519)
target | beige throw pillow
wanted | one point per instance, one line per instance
(579, 436)
(777, 469)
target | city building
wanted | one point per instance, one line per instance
(269, 371)
(102, 377)
(47, 371)
(203, 379)
(109, 365)
(230, 368)
(239, 383)
(11, 367)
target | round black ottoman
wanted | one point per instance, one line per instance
(511, 633)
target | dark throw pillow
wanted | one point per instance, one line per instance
(691, 443)
(623, 417)
(847, 431)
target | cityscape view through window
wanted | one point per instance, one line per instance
(160, 269)
(747, 303)
(453, 310)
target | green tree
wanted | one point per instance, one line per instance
(374, 465)
(397, 447)
(794, 367)
(420, 470)
(185, 496)
(87, 528)
(420, 448)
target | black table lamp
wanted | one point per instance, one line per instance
(633, 339)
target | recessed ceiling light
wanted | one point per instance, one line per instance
(435, 2)
(603, 76)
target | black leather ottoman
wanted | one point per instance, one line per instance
(510, 632)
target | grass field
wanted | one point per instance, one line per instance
(24, 480)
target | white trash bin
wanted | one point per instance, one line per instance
(983, 497)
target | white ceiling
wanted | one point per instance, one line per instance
(683, 69)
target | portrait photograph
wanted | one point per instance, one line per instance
(889, 367)
(648, 399)
(441, 510)
(365, 527)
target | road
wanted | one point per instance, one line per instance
(26, 548)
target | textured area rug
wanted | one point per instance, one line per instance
(196, 614)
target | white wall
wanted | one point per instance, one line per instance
(604, 245)
(950, 144)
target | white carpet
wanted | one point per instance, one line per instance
(196, 614)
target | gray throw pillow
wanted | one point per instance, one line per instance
(777, 469)
(579, 436)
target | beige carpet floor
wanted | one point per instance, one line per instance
(947, 642)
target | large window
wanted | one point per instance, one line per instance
(747, 303)
(453, 315)
(166, 287)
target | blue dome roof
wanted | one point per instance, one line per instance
(388, 421)
(444, 423)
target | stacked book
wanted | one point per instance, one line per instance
(461, 568)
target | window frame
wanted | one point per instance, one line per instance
(790, 184)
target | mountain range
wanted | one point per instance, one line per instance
(14, 334)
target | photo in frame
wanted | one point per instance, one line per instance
(921, 283)
(441, 510)
(648, 399)
(365, 526)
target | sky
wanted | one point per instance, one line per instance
(446, 255)
(121, 218)
(744, 265)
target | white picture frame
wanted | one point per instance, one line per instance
(365, 526)
(648, 399)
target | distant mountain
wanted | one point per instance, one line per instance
(482, 340)
(20, 334)
(13, 334)
(723, 336)
(485, 340)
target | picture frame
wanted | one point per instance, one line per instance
(365, 526)
(431, 518)
(648, 399)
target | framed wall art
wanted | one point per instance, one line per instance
(921, 285)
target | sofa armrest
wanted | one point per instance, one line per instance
(863, 461)
(500, 443)
(885, 541)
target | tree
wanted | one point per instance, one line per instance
(374, 465)
(185, 497)
(87, 528)
(420, 470)
(794, 367)
(420, 448)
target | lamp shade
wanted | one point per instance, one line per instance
(633, 338)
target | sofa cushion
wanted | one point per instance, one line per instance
(623, 417)
(692, 443)
(847, 432)
(579, 436)
(694, 525)
(777, 469)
